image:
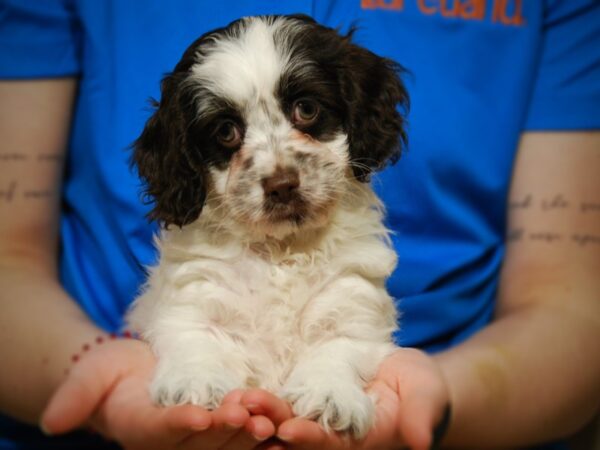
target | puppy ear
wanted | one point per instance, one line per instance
(174, 182)
(373, 91)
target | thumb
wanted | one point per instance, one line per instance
(77, 398)
(423, 422)
(415, 420)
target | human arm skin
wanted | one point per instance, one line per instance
(41, 326)
(533, 375)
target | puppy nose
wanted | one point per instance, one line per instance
(282, 186)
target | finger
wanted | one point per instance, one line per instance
(185, 419)
(233, 397)
(257, 429)
(226, 421)
(261, 402)
(164, 427)
(414, 428)
(301, 434)
(423, 396)
(76, 398)
(260, 427)
(230, 416)
(416, 420)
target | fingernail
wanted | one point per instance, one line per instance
(200, 426)
(259, 438)
(284, 437)
(44, 429)
(232, 426)
(442, 427)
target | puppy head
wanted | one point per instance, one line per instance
(264, 121)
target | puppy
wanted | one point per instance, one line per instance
(273, 255)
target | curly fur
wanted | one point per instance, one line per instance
(362, 89)
(276, 287)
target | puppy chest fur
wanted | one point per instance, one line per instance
(268, 304)
(273, 256)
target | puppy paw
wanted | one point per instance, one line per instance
(176, 387)
(340, 406)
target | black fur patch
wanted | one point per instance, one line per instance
(175, 178)
(176, 146)
(357, 91)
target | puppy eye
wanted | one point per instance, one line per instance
(305, 112)
(229, 134)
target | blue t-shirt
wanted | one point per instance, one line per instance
(480, 73)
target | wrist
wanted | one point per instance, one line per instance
(477, 384)
(101, 339)
(110, 369)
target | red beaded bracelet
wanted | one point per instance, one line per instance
(86, 347)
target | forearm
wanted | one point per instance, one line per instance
(533, 374)
(40, 329)
(40, 326)
(529, 377)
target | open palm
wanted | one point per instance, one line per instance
(411, 399)
(108, 391)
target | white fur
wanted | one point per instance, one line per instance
(238, 302)
(308, 319)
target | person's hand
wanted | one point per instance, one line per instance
(107, 390)
(413, 401)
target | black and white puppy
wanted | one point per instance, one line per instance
(260, 152)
